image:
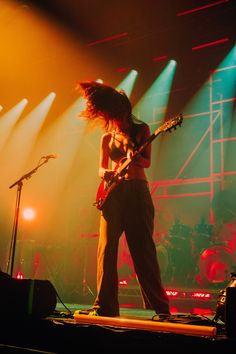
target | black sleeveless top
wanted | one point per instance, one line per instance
(116, 154)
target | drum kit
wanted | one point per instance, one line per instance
(194, 257)
(216, 264)
(175, 261)
(218, 260)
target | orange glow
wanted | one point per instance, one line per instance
(29, 214)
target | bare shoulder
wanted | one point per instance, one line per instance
(143, 129)
(105, 138)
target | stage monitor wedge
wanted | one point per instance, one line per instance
(27, 297)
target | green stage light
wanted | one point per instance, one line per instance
(153, 105)
(128, 83)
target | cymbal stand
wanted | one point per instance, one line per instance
(19, 184)
(86, 288)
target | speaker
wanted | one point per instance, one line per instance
(27, 297)
(230, 312)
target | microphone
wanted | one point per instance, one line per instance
(47, 157)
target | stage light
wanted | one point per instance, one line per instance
(201, 295)
(163, 57)
(9, 120)
(134, 72)
(153, 104)
(172, 293)
(100, 81)
(51, 95)
(128, 83)
(121, 70)
(107, 39)
(19, 275)
(173, 62)
(29, 214)
(223, 40)
(26, 132)
(200, 8)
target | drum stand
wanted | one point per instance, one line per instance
(86, 288)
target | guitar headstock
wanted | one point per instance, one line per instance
(172, 123)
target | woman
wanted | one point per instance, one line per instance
(128, 207)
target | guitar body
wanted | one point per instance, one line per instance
(105, 188)
(102, 194)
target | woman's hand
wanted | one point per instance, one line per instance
(108, 175)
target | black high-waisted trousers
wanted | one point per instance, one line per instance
(129, 209)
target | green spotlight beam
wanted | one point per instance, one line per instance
(225, 77)
(128, 83)
(212, 116)
(153, 105)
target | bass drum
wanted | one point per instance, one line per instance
(216, 263)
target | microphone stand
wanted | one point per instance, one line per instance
(19, 184)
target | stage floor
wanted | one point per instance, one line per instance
(136, 329)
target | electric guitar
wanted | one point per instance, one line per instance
(106, 187)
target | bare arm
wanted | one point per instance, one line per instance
(144, 158)
(104, 172)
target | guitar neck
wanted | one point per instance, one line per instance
(171, 123)
(148, 141)
(139, 150)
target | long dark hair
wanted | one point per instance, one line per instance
(104, 104)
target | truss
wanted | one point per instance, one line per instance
(161, 189)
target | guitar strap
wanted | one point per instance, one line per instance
(133, 134)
